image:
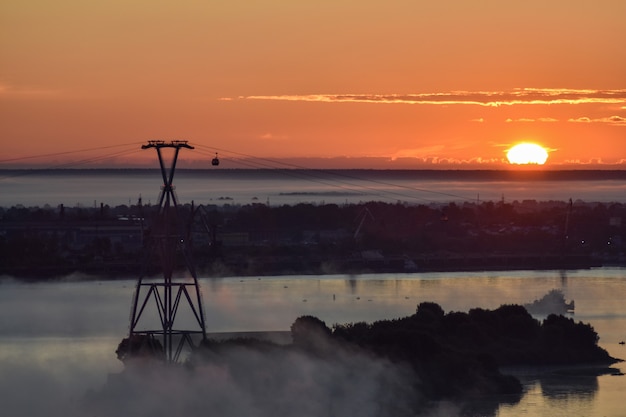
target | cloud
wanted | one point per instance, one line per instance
(423, 152)
(611, 120)
(530, 120)
(425, 161)
(518, 96)
(580, 120)
(547, 120)
(7, 91)
(590, 161)
(617, 120)
(271, 136)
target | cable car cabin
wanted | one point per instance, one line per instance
(215, 162)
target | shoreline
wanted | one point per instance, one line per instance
(259, 240)
(62, 274)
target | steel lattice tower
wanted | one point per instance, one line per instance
(170, 242)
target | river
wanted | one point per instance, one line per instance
(58, 339)
(84, 187)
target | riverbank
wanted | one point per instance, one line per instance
(259, 266)
(259, 240)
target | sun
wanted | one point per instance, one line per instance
(527, 153)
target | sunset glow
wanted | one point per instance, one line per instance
(436, 85)
(527, 153)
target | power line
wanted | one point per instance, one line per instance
(300, 175)
(342, 174)
(319, 176)
(23, 158)
(74, 163)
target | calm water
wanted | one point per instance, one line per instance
(57, 340)
(115, 187)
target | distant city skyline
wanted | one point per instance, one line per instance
(394, 85)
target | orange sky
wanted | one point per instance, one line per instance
(406, 84)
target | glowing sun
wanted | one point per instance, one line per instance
(527, 153)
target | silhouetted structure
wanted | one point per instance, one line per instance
(168, 240)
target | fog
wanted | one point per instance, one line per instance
(115, 187)
(243, 382)
(72, 381)
(58, 341)
(57, 358)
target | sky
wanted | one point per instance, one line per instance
(342, 83)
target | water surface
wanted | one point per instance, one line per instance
(277, 187)
(57, 340)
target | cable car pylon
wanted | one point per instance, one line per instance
(157, 303)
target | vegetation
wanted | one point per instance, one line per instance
(257, 239)
(454, 356)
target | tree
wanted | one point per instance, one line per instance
(309, 332)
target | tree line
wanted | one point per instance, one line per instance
(319, 238)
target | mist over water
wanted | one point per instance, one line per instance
(246, 382)
(58, 341)
(116, 187)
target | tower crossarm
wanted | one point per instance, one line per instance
(172, 294)
(163, 144)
